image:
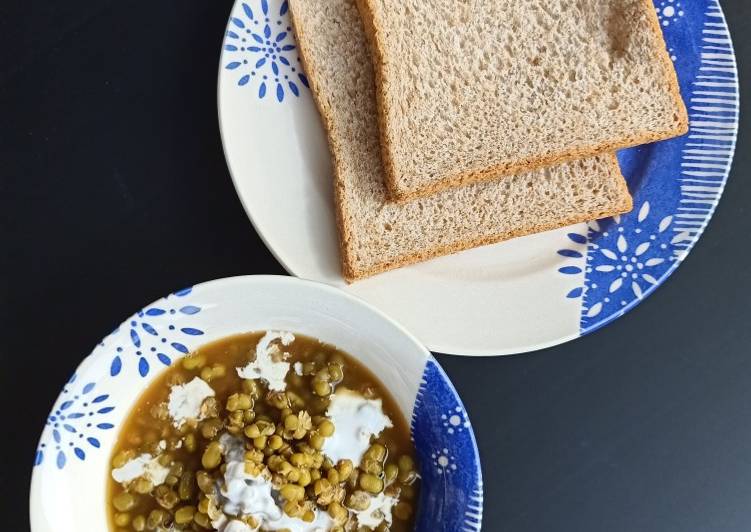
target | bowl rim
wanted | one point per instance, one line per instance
(284, 280)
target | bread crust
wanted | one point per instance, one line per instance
(340, 209)
(397, 192)
(352, 274)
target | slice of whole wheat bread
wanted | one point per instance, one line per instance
(471, 90)
(378, 235)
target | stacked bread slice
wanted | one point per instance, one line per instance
(429, 162)
(470, 90)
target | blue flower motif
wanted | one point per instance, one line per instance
(263, 50)
(625, 258)
(72, 426)
(669, 12)
(455, 420)
(153, 336)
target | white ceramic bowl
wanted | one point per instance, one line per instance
(71, 464)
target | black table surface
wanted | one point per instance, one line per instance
(114, 191)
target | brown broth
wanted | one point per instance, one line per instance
(141, 431)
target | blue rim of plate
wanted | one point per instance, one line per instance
(676, 184)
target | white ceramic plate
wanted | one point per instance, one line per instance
(512, 297)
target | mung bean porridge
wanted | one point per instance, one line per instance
(264, 431)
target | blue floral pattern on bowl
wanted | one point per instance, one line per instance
(260, 46)
(153, 335)
(624, 259)
(443, 439)
(72, 426)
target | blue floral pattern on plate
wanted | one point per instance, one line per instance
(260, 47)
(628, 256)
(72, 426)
